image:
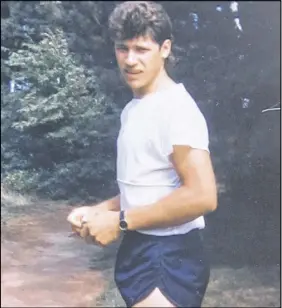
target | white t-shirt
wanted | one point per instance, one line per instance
(149, 128)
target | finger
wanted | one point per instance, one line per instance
(102, 245)
(100, 241)
(76, 215)
(84, 231)
(75, 219)
(75, 229)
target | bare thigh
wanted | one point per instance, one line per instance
(155, 299)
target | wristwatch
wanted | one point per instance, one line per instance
(122, 221)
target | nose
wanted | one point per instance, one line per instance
(130, 60)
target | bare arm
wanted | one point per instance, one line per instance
(112, 204)
(197, 195)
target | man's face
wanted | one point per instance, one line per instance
(140, 60)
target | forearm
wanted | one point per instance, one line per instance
(180, 206)
(112, 204)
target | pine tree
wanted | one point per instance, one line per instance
(59, 111)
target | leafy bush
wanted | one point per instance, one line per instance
(56, 118)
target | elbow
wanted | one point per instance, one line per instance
(209, 203)
(204, 200)
(212, 206)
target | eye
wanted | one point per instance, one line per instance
(141, 49)
(121, 48)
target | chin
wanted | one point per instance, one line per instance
(135, 84)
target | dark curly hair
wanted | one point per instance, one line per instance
(131, 19)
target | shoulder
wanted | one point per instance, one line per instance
(184, 106)
(125, 111)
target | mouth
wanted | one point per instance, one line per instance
(131, 73)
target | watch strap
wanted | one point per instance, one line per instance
(122, 221)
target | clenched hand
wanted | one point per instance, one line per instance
(101, 225)
(104, 227)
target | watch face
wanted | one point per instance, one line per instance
(123, 225)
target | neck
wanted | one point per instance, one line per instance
(162, 81)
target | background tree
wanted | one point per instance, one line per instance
(58, 114)
(233, 73)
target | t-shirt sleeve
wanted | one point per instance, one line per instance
(123, 113)
(187, 126)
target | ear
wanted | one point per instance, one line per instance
(166, 49)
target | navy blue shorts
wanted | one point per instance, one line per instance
(176, 264)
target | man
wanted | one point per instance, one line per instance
(164, 172)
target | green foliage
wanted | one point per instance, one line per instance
(21, 180)
(58, 128)
(55, 118)
(59, 91)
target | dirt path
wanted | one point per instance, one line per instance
(42, 266)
